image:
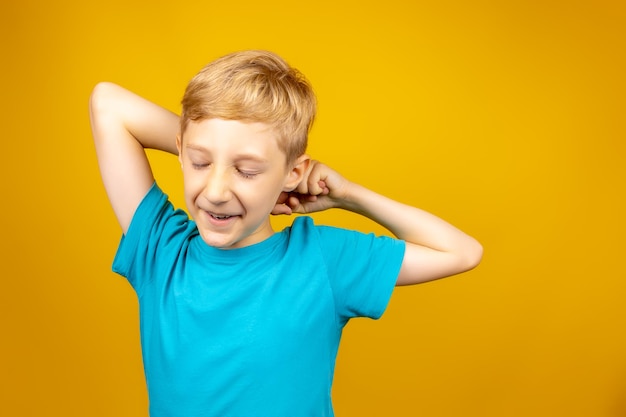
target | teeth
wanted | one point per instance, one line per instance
(220, 217)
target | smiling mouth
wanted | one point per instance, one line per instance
(218, 217)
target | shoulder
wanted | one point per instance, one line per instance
(360, 269)
(306, 232)
(156, 224)
(156, 210)
(337, 242)
(154, 199)
(305, 225)
(155, 237)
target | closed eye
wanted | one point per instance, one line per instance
(199, 166)
(247, 174)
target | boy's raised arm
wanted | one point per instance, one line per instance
(434, 248)
(123, 125)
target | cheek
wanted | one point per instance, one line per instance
(261, 193)
(192, 185)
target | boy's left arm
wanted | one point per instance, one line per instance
(434, 248)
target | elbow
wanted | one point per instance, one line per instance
(473, 254)
(105, 100)
(97, 101)
(100, 96)
(103, 109)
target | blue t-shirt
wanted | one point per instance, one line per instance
(252, 331)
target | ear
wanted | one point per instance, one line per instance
(179, 147)
(297, 172)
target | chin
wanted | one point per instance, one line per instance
(217, 242)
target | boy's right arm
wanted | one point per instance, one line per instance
(123, 125)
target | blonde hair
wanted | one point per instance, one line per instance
(254, 86)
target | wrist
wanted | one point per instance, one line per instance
(352, 197)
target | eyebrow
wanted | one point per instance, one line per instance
(238, 157)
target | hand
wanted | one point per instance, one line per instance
(321, 188)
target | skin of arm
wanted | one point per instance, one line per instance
(123, 125)
(434, 248)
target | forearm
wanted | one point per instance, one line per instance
(435, 248)
(115, 108)
(405, 222)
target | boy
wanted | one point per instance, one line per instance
(237, 320)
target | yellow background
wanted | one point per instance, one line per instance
(505, 118)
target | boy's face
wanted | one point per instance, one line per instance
(234, 172)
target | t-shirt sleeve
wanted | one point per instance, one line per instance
(150, 239)
(363, 270)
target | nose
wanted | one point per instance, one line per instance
(217, 189)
